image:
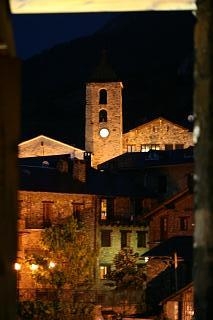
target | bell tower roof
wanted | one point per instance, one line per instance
(103, 71)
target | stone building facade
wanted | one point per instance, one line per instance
(45, 146)
(158, 134)
(174, 217)
(108, 235)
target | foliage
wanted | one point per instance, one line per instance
(66, 261)
(67, 258)
(28, 310)
(125, 272)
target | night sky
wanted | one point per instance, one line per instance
(35, 33)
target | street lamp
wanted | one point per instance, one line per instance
(17, 267)
(33, 267)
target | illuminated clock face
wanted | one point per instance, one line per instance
(104, 133)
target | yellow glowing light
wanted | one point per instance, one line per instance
(34, 267)
(52, 264)
(56, 6)
(17, 266)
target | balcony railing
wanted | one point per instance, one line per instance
(123, 220)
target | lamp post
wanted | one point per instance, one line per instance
(17, 267)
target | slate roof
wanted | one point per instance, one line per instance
(41, 174)
(182, 245)
(152, 158)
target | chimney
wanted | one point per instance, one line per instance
(79, 170)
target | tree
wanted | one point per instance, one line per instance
(126, 273)
(129, 280)
(66, 261)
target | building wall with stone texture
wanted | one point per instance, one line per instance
(173, 218)
(180, 305)
(32, 220)
(109, 147)
(158, 134)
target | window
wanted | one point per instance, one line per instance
(183, 223)
(141, 239)
(168, 146)
(103, 96)
(77, 208)
(179, 146)
(131, 148)
(106, 238)
(106, 208)
(163, 228)
(103, 209)
(125, 239)
(147, 147)
(102, 116)
(47, 211)
(103, 271)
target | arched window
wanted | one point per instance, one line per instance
(103, 96)
(102, 116)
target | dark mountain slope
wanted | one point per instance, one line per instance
(151, 52)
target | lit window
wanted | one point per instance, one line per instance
(147, 147)
(103, 209)
(103, 271)
(131, 148)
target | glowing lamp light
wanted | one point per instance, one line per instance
(34, 267)
(52, 265)
(17, 266)
(146, 259)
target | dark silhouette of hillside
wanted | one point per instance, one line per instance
(152, 54)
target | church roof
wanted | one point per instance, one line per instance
(103, 71)
(157, 120)
(43, 145)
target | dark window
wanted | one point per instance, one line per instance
(103, 96)
(102, 116)
(141, 239)
(179, 146)
(124, 239)
(77, 208)
(47, 211)
(183, 223)
(106, 238)
(162, 184)
(163, 228)
(168, 146)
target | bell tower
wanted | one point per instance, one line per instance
(104, 121)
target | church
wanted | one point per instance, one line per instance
(104, 136)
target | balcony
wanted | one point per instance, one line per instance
(123, 220)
